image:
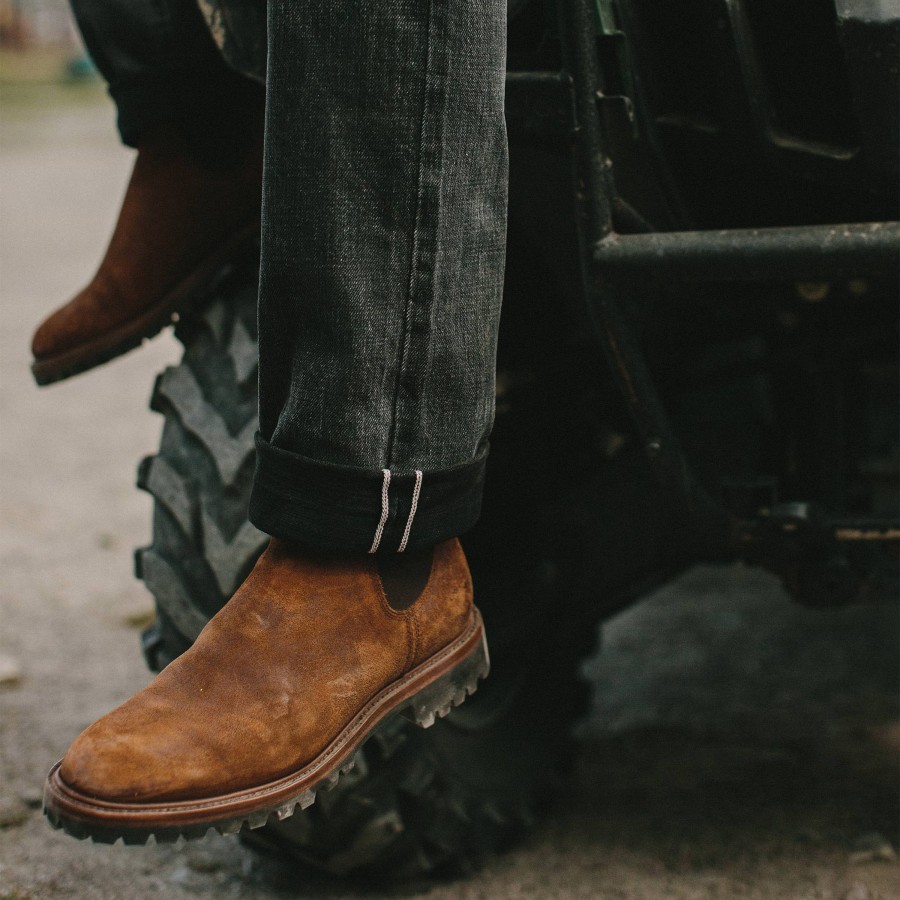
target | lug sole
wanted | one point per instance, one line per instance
(184, 297)
(426, 693)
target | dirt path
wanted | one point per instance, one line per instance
(739, 747)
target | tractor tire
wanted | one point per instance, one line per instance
(419, 803)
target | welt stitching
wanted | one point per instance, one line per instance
(212, 804)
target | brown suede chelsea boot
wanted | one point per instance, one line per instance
(273, 699)
(181, 220)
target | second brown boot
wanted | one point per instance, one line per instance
(275, 696)
(181, 220)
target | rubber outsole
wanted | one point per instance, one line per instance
(434, 700)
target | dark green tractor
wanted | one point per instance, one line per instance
(698, 362)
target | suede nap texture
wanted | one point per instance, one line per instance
(271, 680)
(176, 211)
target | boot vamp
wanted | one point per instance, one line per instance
(174, 215)
(92, 312)
(268, 685)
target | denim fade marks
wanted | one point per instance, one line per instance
(384, 220)
(383, 241)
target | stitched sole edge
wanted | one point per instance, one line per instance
(69, 811)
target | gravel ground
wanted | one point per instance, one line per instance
(739, 747)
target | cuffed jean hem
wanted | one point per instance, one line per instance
(335, 507)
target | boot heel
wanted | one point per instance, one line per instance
(451, 689)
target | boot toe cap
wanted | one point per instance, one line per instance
(48, 340)
(105, 766)
(116, 760)
(90, 314)
(63, 329)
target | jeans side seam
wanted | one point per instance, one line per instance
(424, 233)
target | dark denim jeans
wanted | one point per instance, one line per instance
(384, 225)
